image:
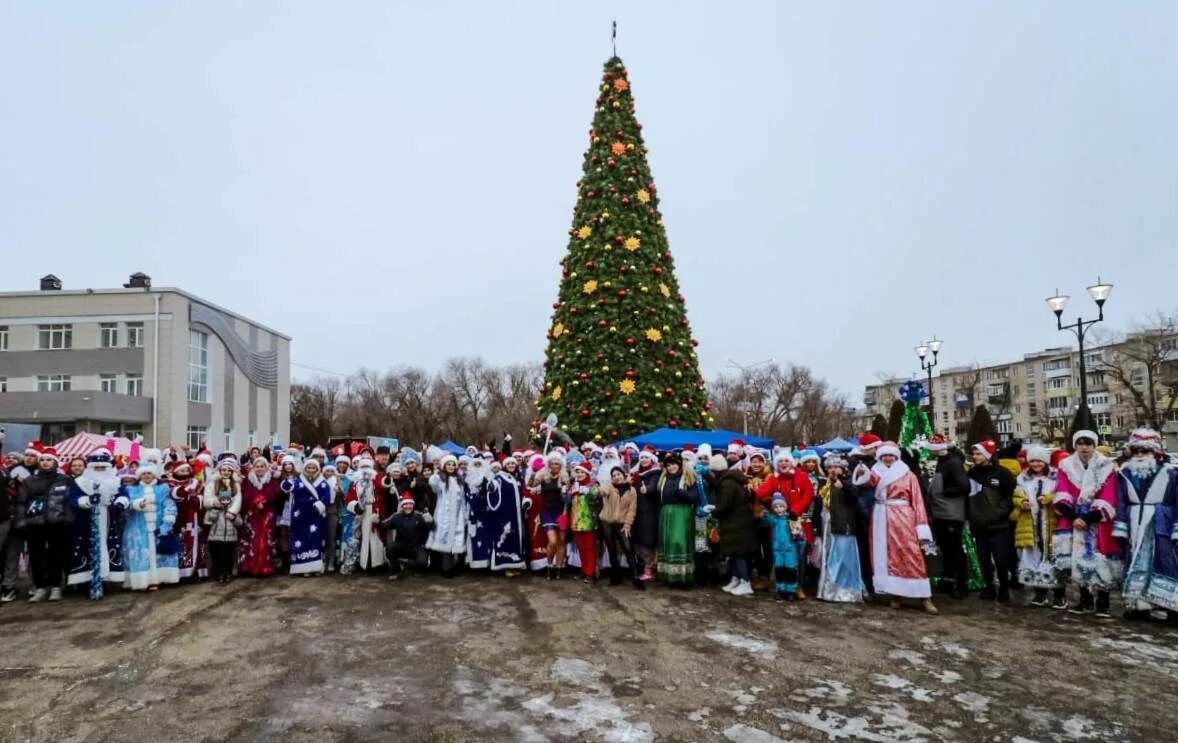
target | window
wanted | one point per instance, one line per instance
(1030, 371)
(132, 433)
(108, 335)
(1033, 409)
(1057, 364)
(1100, 398)
(1018, 408)
(1095, 377)
(108, 382)
(198, 366)
(1120, 421)
(55, 337)
(1030, 389)
(1005, 426)
(1057, 403)
(53, 383)
(1103, 419)
(195, 436)
(228, 439)
(944, 416)
(134, 335)
(3, 384)
(135, 385)
(253, 437)
(3, 337)
(1058, 383)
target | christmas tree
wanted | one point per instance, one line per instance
(981, 427)
(621, 359)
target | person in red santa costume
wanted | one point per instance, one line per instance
(187, 489)
(899, 528)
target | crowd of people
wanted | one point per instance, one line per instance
(901, 524)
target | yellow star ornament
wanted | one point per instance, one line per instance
(627, 386)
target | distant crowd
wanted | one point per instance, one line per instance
(792, 522)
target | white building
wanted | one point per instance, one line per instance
(156, 362)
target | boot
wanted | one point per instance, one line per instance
(1059, 599)
(1102, 605)
(550, 573)
(1084, 605)
(929, 608)
(615, 576)
(801, 594)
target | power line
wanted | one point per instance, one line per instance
(317, 369)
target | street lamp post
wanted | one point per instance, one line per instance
(744, 370)
(922, 351)
(1099, 293)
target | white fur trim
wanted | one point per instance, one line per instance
(1085, 434)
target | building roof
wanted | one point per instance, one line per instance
(153, 290)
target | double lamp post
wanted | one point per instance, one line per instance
(926, 365)
(1099, 293)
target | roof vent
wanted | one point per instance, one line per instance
(50, 283)
(138, 280)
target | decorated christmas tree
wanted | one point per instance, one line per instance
(621, 359)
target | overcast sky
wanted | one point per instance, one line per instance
(392, 183)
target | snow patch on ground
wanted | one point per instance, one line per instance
(911, 656)
(593, 708)
(978, 704)
(752, 645)
(828, 690)
(946, 676)
(898, 683)
(952, 648)
(1141, 650)
(744, 734)
(886, 724)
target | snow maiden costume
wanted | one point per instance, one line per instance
(1087, 491)
(97, 556)
(899, 526)
(188, 491)
(840, 578)
(149, 546)
(1034, 527)
(452, 515)
(1147, 520)
(309, 494)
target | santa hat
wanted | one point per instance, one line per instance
(406, 497)
(1085, 434)
(717, 463)
(49, 452)
(689, 458)
(582, 468)
(985, 448)
(937, 443)
(869, 441)
(887, 447)
(754, 453)
(648, 456)
(343, 459)
(365, 462)
(1039, 454)
(736, 446)
(705, 452)
(1144, 438)
(207, 457)
(34, 449)
(630, 446)
(1058, 456)
(536, 463)
(688, 448)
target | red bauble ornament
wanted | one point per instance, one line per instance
(708, 405)
(671, 352)
(602, 324)
(564, 272)
(658, 270)
(573, 310)
(629, 374)
(666, 255)
(592, 194)
(622, 293)
(673, 423)
(556, 305)
(625, 201)
(619, 239)
(601, 302)
(610, 163)
(622, 269)
(668, 391)
(649, 186)
(619, 134)
(629, 341)
(609, 395)
(633, 171)
(561, 357)
(608, 76)
(646, 406)
(694, 342)
(585, 412)
(590, 265)
(584, 376)
(601, 356)
(683, 322)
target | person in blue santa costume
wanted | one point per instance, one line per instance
(497, 517)
(309, 495)
(97, 555)
(150, 548)
(1146, 524)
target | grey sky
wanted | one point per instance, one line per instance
(392, 183)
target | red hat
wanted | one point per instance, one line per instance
(583, 468)
(406, 497)
(937, 443)
(1058, 456)
(869, 441)
(688, 447)
(987, 448)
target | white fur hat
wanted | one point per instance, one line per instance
(717, 463)
(1039, 454)
(704, 452)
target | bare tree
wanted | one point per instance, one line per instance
(1142, 365)
(786, 404)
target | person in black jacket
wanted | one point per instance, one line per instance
(44, 513)
(990, 502)
(948, 491)
(407, 532)
(864, 454)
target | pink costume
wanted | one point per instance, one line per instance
(1088, 493)
(898, 526)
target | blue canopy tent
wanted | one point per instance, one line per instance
(451, 448)
(836, 444)
(667, 439)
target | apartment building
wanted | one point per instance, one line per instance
(1036, 397)
(154, 362)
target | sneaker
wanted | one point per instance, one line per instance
(55, 594)
(1060, 604)
(744, 588)
(1102, 613)
(731, 584)
(8, 596)
(1039, 599)
(780, 596)
(38, 596)
(1080, 607)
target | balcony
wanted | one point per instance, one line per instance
(1064, 372)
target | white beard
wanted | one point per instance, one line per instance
(1142, 467)
(107, 482)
